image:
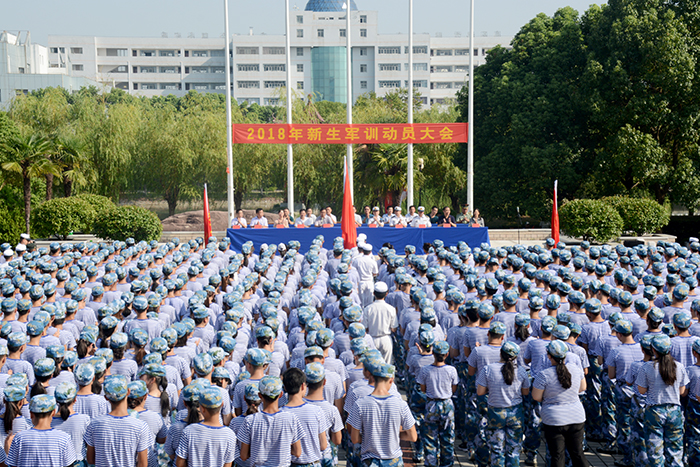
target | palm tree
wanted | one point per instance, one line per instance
(71, 158)
(28, 157)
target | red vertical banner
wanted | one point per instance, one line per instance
(348, 216)
(207, 217)
(555, 215)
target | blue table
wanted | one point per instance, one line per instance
(399, 238)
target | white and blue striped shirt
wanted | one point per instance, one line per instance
(438, 380)
(75, 426)
(45, 448)
(270, 437)
(560, 407)
(622, 357)
(117, 440)
(235, 425)
(206, 445)
(380, 421)
(174, 433)
(335, 422)
(125, 367)
(92, 405)
(658, 392)
(502, 395)
(313, 422)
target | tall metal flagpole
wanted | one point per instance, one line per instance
(409, 184)
(350, 161)
(290, 152)
(229, 129)
(470, 142)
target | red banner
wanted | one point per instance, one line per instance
(417, 133)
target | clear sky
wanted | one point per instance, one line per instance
(150, 18)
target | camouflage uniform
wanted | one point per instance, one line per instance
(482, 442)
(459, 399)
(664, 425)
(398, 462)
(692, 431)
(623, 402)
(531, 426)
(607, 407)
(594, 422)
(505, 433)
(637, 430)
(439, 428)
(417, 402)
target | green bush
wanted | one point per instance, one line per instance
(100, 204)
(123, 222)
(590, 219)
(11, 223)
(61, 216)
(639, 215)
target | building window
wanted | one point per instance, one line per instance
(249, 67)
(76, 50)
(363, 68)
(148, 53)
(271, 101)
(149, 86)
(274, 84)
(249, 100)
(148, 69)
(461, 52)
(418, 67)
(417, 49)
(363, 50)
(216, 53)
(363, 84)
(363, 33)
(300, 19)
(440, 85)
(389, 67)
(300, 85)
(462, 68)
(218, 69)
(249, 85)
(20, 70)
(300, 67)
(417, 83)
(198, 69)
(170, 69)
(247, 50)
(363, 18)
(170, 86)
(443, 52)
(62, 50)
(54, 50)
(300, 33)
(300, 52)
(200, 53)
(77, 67)
(273, 50)
(441, 69)
(320, 33)
(389, 50)
(390, 84)
(343, 33)
(166, 53)
(274, 67)
(476, 52)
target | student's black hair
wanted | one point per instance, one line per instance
(133, 402)
(64, 409)
(38, 388)
(181, 341)
(58, 322)
(293, 379)
(381, 379)
(267, 399)
(118, 353)
(22, 312)
(427, 247)
(96, 385)
(472, 315)
(263, 341)
(162, 382)
(667, 368)
(563, 374)
(104, 336)
(380, 295)
(139, 354)
(522, 332)
(439, 358)
(508, 368)
(57, 370)
(651, 324)
(198, 321)
(193, 413)
(315, 386)
(253, 406)
(82, 348)
(12, 410)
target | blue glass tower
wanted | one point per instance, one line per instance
(328, 5)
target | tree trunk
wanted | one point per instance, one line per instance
(171, 196)
(49, 187)
(27, 185)
(237, 200)
(67, 186)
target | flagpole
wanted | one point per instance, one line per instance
(290, 151)
(409, 168)
(229, 127)
(350, 161)
(470, 137)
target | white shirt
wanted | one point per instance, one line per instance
(366, 267)
(397, 219)
(379, 319)
(335, 219)
(305, 221)
(259, 221)
(375, 221)
(239, 221)
(420, 220)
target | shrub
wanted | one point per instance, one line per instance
(100, 204)
(61, 216)
(590, 219)
(11, 223)
(123, 222)
(639, 215)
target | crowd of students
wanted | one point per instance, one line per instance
(146, 354)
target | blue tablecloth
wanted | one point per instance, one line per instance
(399, 238)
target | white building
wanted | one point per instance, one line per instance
(24, 67)
(166, 65)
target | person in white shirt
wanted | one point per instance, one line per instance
(386, 218)
(310, 215)
(358, 218)
(324, 218)
(239, 220)
(366, 267)
(329, 212)
(259, 219)
(411, 214)
(380, 321)
(397, 218)
(303, 219)
(375, 219)
(421, 218)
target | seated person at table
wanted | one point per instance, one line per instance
(366, 214)
(375, 220)
(386, 218)
(397, 218)
(329, 213)
(421, 218)
(259, 219)
(282, 219)
(463, 217)
(476, 220)
(323, 218)
(411, 214)
(358, 218)
(434, 215)
(239, 220)
(447, 218)
(303, 219)
(310, 214)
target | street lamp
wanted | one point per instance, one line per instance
(420, 190)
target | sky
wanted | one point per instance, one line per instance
(150, 18)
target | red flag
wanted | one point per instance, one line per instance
(348, 215)
(207, 217)
(555, 215)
